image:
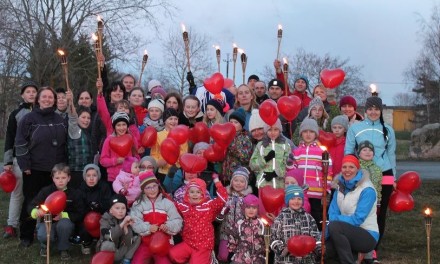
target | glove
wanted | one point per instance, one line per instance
(172, 171)
(94, 206)
(269, 155)
(123, 191)
(230, 256)
(268, 176)
(222, 214)
(190, 79)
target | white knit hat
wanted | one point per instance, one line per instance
(153, 83)
(157, 104)
(255, 121)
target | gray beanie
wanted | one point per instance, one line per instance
(255, 121)
(89, 167)
(341, 120)
(316, 102)
(374, 101)
(309, 124)
(243, 172)
(151, 160)
(277, 125)
(200, 146)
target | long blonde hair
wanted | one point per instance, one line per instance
(254, 103)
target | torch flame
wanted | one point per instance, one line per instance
(373, 88)
(280, 26)
(234, 45)
(60, 52)
(285, 60)
(217, 47)
(94, 37)
(240, 51)
(265, 222)
(44, 207)
(183, 27)
(323, 148)
(99, 18)
(145, 52)
(428, 211)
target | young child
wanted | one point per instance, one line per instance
(191, 113)
(109, 158)
(116, 231)
(317, 112)
(198, 212)
(246, 241)
(214, 113)
(292, 221)
(127, 182)
(239, 152)
(232, 211)
(291, 179)
(63, 224)
(179, 194)
(308, 160)
(339, 129)
(270, 156)
(154, 116)
(365, 152)
(152, 212)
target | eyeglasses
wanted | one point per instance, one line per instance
(149, 167)
(151, 188)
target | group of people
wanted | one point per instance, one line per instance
(54, 142)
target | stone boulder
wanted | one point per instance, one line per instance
(425, 142)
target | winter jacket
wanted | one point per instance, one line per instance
(384, 150)
(337, 153)
(147, 212)
(112, 231)
(11, 131)
(74, 209)
(309, 160)
(184, 120)
(277, 165)
(355, 203)
(291, 223)
(179, 194)
(130, 183)
(96, 198)
(238, 154)
(41, 140)
(246, 241)
(198, 231)
(79, 145)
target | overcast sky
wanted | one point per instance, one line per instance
(379, 35)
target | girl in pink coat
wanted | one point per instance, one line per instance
(127, 181)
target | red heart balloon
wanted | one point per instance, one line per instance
(223, 134)
(121, 144)
(170, 151)
(228, 82)
(408, 182)
(180, 134)
(301, 245)
(332, 78)
(91, 223)
(272, 199)
(327, 139)
(215, 83)
(7, 181)
(401, 202)
(160, 243)
(56, 202)
(289, 106)
(269, 112)
(149, 137)
(199, 133)
(215, 153)
(104, 257)
(192, 163)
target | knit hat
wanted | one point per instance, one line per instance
(351, 158)
(243, 172)
(118, 198)
(151, 160)
(197, 183)
(169, 112)
(276, 82)
(28, 84)
(157, 103)
(200, 146)
(253, 77)
(340, 120)
(217, 104)
(316, 102)
(277, 125)
(158, 90)
(293, 191)
(365, 144)
(302, 77)
(348, 100)
(91, 166)
(255, 121)
(120, 117)
(374, 101)
(238, 115)
(309, 124)
(128, 162)
(251, 200)
(146, 178)
(153, 83)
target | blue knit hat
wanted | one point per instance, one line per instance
(293, 191)
(239, 115)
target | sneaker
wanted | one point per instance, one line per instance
(25, 243)
(75, 240)
(85, 250)
(375, 260)
(10, 231)
(65, 255)
(43, 251)
(126, 261)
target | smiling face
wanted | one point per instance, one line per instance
(238, 183)
(151, 190)
(195, 195)
(46, 99)
(295, 203)
(85, 99)
(128, 82)
(275, 92)
(300, 85)
(349, 170)
(116, 95)
(257, 133)
(191, 107)
(136, 97)
(348, 110)
(373, 113)
(171, 123)
(366, 154)
(121, 128)
(154, 113)
(172, 103)
(84, 120)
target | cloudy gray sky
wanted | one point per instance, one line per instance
(379, 35)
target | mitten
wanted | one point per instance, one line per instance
(269, 156)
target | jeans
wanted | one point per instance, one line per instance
(60, 232)
(16, 200)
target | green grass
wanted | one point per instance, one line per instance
(403, 135)
(402, 149)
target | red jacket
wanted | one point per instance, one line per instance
(337, 153)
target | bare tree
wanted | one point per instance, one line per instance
(404, 99)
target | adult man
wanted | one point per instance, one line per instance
(252, 80)
(276, 89)
(128, 81)
(260, 92)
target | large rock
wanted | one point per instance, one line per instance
(425, 142)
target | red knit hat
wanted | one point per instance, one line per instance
(352, 159)
(348, 100)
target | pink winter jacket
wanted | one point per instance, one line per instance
(129, 182)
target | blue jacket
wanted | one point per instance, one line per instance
(384, 151)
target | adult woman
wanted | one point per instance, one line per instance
(352, 214)
(115, 94)
(246, 99)
(174, 100)
(382, 136)
(348, 106)
(40, 143)
(136, 99)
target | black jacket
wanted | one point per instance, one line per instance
(96, 198)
